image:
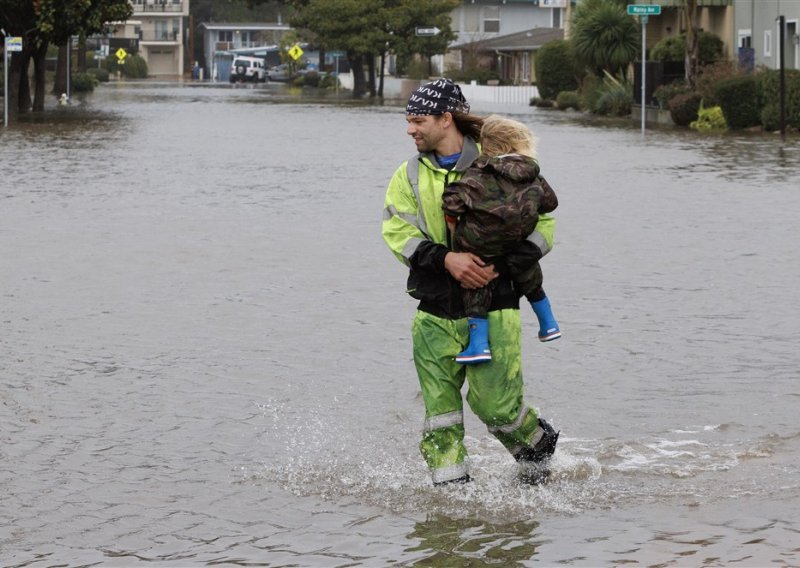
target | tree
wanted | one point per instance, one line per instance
(604, 37)
(673, 48)
(42, 22)
(369, 29)
(692, 43)
(555, 69)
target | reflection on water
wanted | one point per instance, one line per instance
(471, 542)
(205, 352)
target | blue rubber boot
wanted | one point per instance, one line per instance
(478, 349)
(548, 327)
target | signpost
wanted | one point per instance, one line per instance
(644, 11)
(428, 32)
(12, 44)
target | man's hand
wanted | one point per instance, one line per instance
(469, 269)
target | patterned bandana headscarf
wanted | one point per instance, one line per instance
(437, 97)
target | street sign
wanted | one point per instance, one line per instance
(644, 10)
(428, 32)
(13, 43)
(121, 54)
(296, 52)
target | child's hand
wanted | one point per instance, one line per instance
(451, 223)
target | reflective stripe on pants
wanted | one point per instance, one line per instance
(495, 389)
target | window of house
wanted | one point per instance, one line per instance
(491, 19)
(161, 30)
(472, 19)
(745, 38)
(768, 43)
(226, 35)
(557, 13)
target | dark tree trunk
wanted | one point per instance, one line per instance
(14, 74)
(383, 72)
(82, 54)
(60, 83)
(24, 91)
(371, 70)
(357, 67)
(692, 43)
(321, 61)
(39, 68)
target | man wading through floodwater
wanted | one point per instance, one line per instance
(414, 228)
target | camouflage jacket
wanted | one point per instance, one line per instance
(497, 202)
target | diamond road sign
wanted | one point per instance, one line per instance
(644, 10)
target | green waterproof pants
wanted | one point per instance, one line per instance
(494, 395)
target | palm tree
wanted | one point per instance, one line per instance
(604, 36)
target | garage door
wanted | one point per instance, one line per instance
(161, 62)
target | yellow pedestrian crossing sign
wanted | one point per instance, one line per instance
(296, 52)
(121, 55)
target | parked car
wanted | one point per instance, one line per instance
(280, 73)
(248, 69)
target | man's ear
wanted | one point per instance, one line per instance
(447, 119)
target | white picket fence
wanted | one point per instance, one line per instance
(501, 95)
(475, 94)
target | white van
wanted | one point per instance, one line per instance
(248, 69)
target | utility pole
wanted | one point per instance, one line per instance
(782, 58)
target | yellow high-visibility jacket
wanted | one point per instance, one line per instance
(415, 231)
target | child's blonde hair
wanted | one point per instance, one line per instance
(500, 135)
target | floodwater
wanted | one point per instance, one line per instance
(205, 355)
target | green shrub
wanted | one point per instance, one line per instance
(769, 95)
(135, 67)
(709, 119)
(568, 99)
(683, 108)
(310, 79)
(543, 103)
(84, 82)
(673, 48)
(738, 98)
(709, 76)
(616, 102)
(771, 117)
(556, 69)
(665, 93)
(100, 74)
(591, 90)
(328, 81)
(611, 96)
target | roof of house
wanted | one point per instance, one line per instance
(521, 41)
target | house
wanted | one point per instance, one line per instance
(512, 56)
(478, 20)
(222, 41)
(159, 29)
(714, 16)
(504, 35)
(758, 32)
